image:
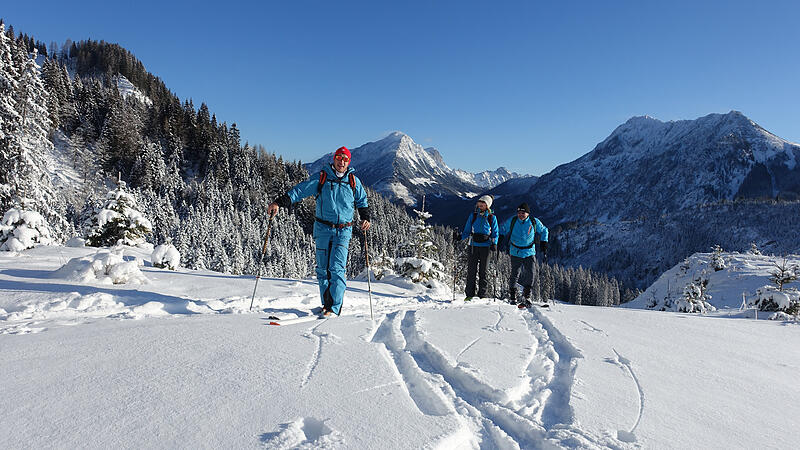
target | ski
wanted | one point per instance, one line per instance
(295, 320)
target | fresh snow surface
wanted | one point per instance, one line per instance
(197, 369)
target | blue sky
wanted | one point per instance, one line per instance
(527, 85)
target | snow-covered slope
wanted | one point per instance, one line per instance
(127, 89)
(403, 170)
(176, 360)
(733, 283)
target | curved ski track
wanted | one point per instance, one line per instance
(542, 418)
(312, 364)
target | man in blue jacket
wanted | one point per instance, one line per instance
(482, 228)
(521, 231)
(338, 192)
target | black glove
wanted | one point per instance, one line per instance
(284, 201)
(456, 236)
(493, 247)
(363, 213)
(543, 247)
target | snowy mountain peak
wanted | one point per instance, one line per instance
(403, 170)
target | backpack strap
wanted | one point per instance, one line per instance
(511, 229)
(488, 219)
(352, 179)
(323, 176)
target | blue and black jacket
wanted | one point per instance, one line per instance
(336, 198)
(523, 235)
(482, 226)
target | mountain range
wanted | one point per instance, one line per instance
(403, 171)
(647, 167)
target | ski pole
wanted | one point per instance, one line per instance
(455, 260)
(456, 237)
(261, 258)
(369, 275)
(496, 273)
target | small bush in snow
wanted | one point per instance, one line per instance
(783, 274)
(381, 266)
(76, 242)
(754, 249)
(419, 270)
(21, 229)
(695, 298)
(717, 262)
(117, 221)
(166, 256)
(770, 299)
(106, 267)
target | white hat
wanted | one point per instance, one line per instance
(486, 199)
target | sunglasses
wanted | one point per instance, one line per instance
(341, 158)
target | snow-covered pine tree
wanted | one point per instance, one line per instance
(25, 126)
(717, 261)
(22, 228)
(117, 221)
(416, 260)
(695, 298)
(10, 123)
(783, 274)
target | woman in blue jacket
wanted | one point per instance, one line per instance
(521, 231)
(338, 191)
(482, 228)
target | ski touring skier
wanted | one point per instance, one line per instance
(338, 192)
(481, 228)
(522, 231)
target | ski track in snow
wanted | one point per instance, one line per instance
(422, 393)
(495, 327)
(629, 436)
(542, 418)
(474, 341)
(312, 333)
(592, 328)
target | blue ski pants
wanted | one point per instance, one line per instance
(332, 244)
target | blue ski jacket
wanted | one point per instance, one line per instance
(484, 232)
(522, 237)
(336, 200)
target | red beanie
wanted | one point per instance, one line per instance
(343, 151)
